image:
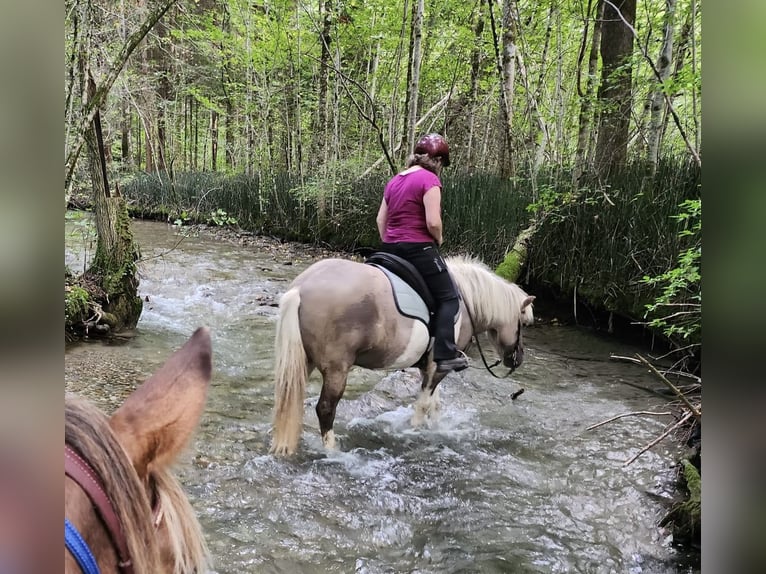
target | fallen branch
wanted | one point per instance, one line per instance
(664, 372)
(636, 413)
(693, 409)
(659, 438)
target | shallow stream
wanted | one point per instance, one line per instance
(497, 486)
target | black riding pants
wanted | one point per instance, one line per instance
(429, 262)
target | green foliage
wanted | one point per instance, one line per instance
(220, 218)
(75, 304)
(183, 219)
(677, 310)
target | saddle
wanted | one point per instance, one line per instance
(413, 299)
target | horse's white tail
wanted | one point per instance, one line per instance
(291, 373)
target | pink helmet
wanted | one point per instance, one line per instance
(435, 146)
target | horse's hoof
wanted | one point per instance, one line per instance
(328, 440)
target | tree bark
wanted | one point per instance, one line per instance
(413, 76)
(657, 101)
(585, 116)
(614, 93)
(320, 134)
(114, 264)
(473, 95)
(213, 140)
(505, 54)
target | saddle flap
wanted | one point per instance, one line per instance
(404, 270)
(408, 301)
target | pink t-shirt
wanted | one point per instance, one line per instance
(406, 213)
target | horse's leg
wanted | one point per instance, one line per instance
(332, 390)
(423, 403)
(428, 404)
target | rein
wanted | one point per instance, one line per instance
(475, 338)
(83, 474)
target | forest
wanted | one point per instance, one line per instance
(574, 129)
(574, 121)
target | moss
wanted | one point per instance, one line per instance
(686, 515)
(510, 268)
(76, 301)
(693, 505)
(116, 269)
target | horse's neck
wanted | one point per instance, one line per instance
(470, 323)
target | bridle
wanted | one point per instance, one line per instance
(475, 338)
(80, 471)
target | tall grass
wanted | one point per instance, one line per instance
(600, 240)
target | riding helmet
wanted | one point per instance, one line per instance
(434, 145)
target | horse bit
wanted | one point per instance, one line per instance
(78, 469)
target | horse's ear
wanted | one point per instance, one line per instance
(158, 418)
(527, 302)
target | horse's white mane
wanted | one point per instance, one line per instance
(489, 297)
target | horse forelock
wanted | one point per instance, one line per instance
(491, 300)
(87, 430)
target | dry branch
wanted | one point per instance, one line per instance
(636, 413)
(693, 409)
(659, 438)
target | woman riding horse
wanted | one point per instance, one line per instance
(410, 226)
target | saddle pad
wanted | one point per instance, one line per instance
(409, 303)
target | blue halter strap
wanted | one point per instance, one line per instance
(79, 549)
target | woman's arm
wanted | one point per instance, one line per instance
(432, 200)
(382, 218)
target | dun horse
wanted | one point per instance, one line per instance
(339, 313)
(125, 512)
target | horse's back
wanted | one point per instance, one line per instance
(348, 314)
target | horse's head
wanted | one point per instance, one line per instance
(119, 493)
(508, 340)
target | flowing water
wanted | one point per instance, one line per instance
(496, 486)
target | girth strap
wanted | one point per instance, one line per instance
(79, 549)
(81, 472)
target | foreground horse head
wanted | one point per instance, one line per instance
(129, 510)
(339, 313)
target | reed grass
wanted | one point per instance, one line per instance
(600, 240)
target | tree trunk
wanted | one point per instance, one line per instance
(114, 264)
(473, 95)
(585, 117)
(320, 132)
(614, 93)
(658, 99)
(505, 54)
(509, 82)
(125, 141)
(214, 140)
(413, 76)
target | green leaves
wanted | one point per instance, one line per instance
(677, 310)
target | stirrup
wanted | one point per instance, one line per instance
(457, 364)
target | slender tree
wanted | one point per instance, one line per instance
(585, 116)
(615, 90)
(657, 100)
